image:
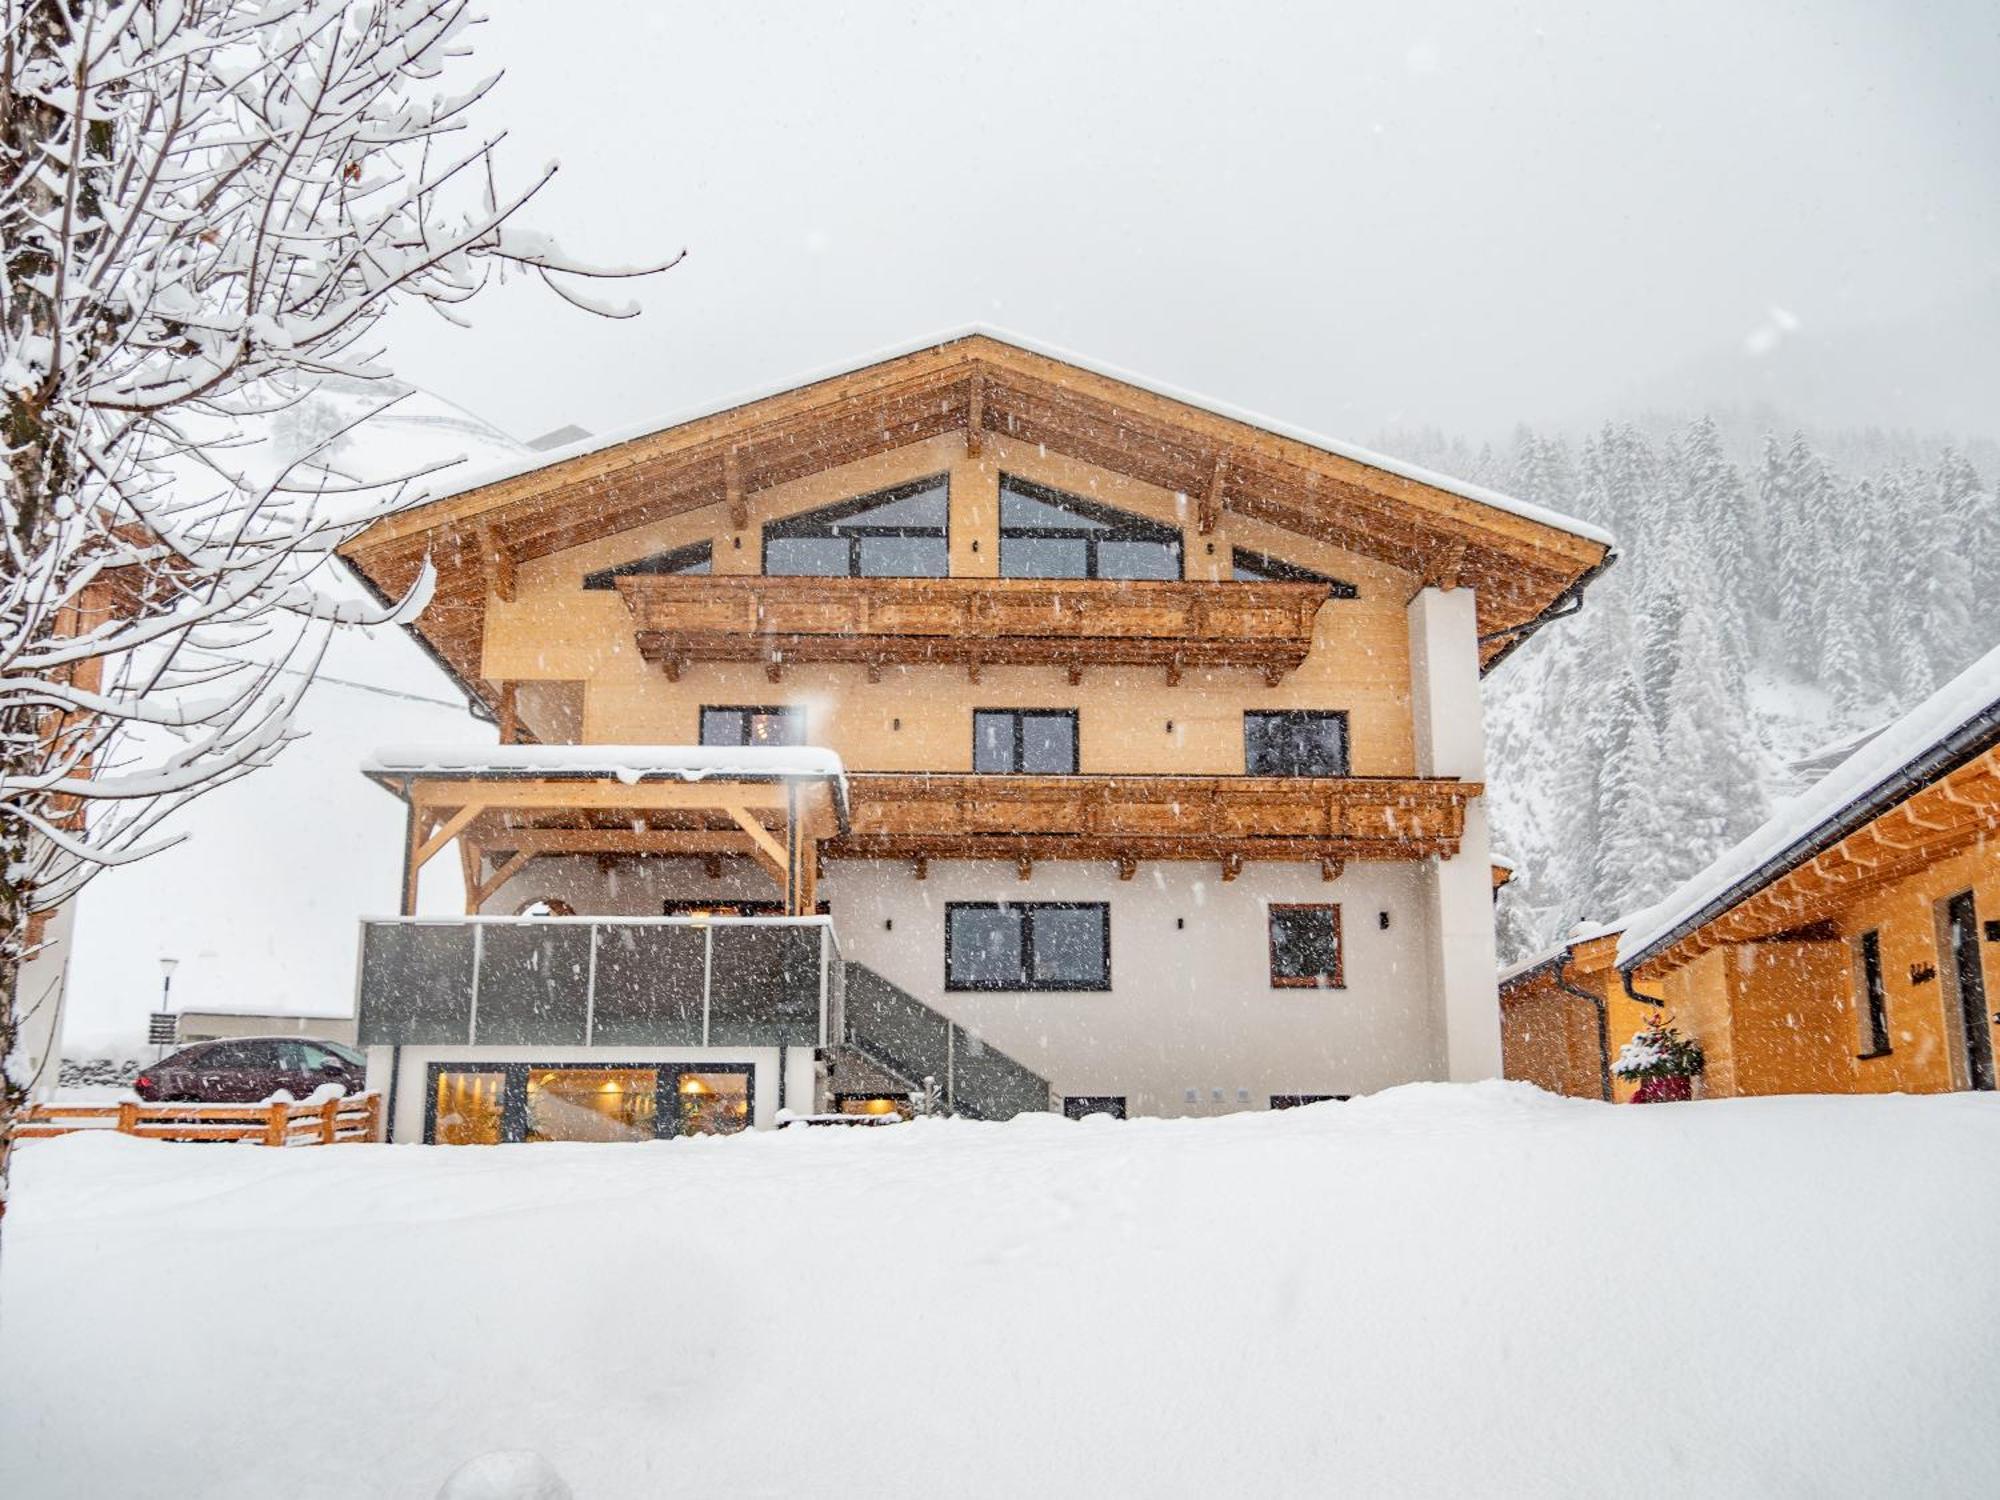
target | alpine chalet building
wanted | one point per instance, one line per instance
(972, 715)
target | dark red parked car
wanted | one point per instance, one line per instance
(243, 1070)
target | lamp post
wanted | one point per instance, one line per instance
(167, 967)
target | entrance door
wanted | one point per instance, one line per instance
(1962, 924)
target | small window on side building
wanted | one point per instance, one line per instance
(1874, 997)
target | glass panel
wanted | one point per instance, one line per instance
(812, 556)
(1021, 512)
(533, 981)
(764, 989)
(714, 1103)
(903, 557)
(648, 985)
(1295, 744)
(1138, 560)
(591, 1104)
(991, 1084)
(722, 726)
(468, 1108)
(924, 510)
(416, 983)
(993, 742)
(1069, 946)
(1044, 557)
(986, 948)
(905, 1034)
(783, 727)
(1048, 744)
(1305, 944)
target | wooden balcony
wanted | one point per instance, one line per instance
(974, 622)
(1125, 819)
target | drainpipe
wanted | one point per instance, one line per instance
(1603, 1033)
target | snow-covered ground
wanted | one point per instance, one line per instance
(1437, 1290)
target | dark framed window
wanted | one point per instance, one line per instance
(1299, 1101)
(698, 557)
(902, 532)
(1261, 567)
(1305, 948)
(1076, 1106)
(1028, 741)
(736, 725)
(1295, 742)
(1027, 945)
(1875, 994)
(1046, 533)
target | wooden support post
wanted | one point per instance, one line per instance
(413, 839)
(975, 417)
(732, 491)
(510, 717)
(1208, 512)
(277, 1120)
(329, 1122)
(372, 1119)
(128, 1117)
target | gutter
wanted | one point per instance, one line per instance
(1554, 966)
(1980, 732)
(1568, 602)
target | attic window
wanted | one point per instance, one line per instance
(893, 533)
(1045, 533)
(1260, 567)
(690, 559)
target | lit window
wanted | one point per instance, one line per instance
(753, 726)
(1030, 741)
(1045, 533)
(895, 533)
(1305, 947)
(1028, 945)
(1295, 742)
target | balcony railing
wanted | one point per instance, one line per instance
(600, 981)
(974, 622)
(1152, 817)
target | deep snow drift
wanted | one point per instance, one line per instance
(1436, 1290)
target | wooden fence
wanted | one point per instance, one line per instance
(349, 1119)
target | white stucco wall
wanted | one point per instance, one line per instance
(1191, 1007)
(38, 999)
(1450, 732)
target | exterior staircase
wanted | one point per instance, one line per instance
(890, 1030)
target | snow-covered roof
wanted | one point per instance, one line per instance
(460, 483)
(630, 764)
(1949, 727)
(1584, 932)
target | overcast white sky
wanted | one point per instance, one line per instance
(1353, 218)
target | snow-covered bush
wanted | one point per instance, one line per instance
(1658, 1050)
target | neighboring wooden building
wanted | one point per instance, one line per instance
(1156, 736)
(1564, 1014)
(1852, 944)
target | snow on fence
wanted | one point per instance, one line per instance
(348, 1119)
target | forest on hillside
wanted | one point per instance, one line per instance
(1778, 595)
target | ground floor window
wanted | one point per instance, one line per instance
(1297, 1101)
(1305, 947)
(1027, 945)
(468, 1105)
(1079, 1105)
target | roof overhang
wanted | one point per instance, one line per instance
(1527, 565)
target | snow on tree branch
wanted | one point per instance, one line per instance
(206, 209)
